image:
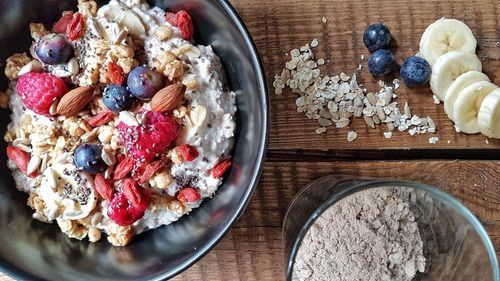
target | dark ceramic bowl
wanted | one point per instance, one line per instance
(34, 250)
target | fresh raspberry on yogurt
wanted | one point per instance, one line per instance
(149, 140)
(39, 90)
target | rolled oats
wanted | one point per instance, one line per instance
(351, 136)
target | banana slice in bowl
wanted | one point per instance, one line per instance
(445, 35)
(448, 68)
(67, 192)
(467, 105)
(458, 85)
(489, 115)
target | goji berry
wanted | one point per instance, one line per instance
(75, 27)
(185, 24)
(188, 194)
(188, 152)
(116, 74)
(219, 169)
(170, 18)
(62, 24)
(101, 118)
(103, 187)
(124, 168)
(21, 159)
(131, 190)
(151, 169)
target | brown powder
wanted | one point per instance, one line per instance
(370, 235)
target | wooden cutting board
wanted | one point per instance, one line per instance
(464, 165)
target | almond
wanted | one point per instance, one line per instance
(168, 98)
(75, 100)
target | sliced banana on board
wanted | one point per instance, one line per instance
(458, 85)
(467, 106)
(489, 115)
(448, 67)
(67, 192)
(445, 35)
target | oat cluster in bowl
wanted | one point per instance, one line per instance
(119, 122)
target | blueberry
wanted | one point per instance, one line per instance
(53, 49)
(88, 158)
(144, 82)
(381, 63)
(415, 71)
(118, 98)
(377, 36)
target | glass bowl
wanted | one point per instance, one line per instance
(456, 245)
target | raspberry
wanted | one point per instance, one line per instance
(129, 202)
(39, 90)
(188, 194)
(149, 140)
(187, 152)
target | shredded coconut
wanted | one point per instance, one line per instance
(371, 236)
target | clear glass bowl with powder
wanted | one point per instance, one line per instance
(455, 244)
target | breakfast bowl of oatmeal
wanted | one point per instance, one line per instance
(134, 135)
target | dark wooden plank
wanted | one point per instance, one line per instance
(252, 250)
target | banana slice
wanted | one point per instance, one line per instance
(458, 85)
(67, 192)
(489, 115)
(445, 35)
(448, 67)
(118, 12)
(467, 105)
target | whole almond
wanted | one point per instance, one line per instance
(168, 98)
(75, 100)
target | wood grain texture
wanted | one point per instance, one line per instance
(253, 248)
(280, 26)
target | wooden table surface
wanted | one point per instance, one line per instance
(466, 166)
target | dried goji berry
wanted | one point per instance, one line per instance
(116, 74)
(151, 169)
(103, 187)
(124, 168)
(219, 169)
(185, 24)
(21, 159)
(188, 194)
(170, 18)
(131, 190)
(187, 152)
(75, 27)
(62, 24)
(101, 118)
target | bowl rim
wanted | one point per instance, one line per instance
(370, 183)
(256, 62)
(262, 86)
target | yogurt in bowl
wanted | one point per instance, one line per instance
(119, 123)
